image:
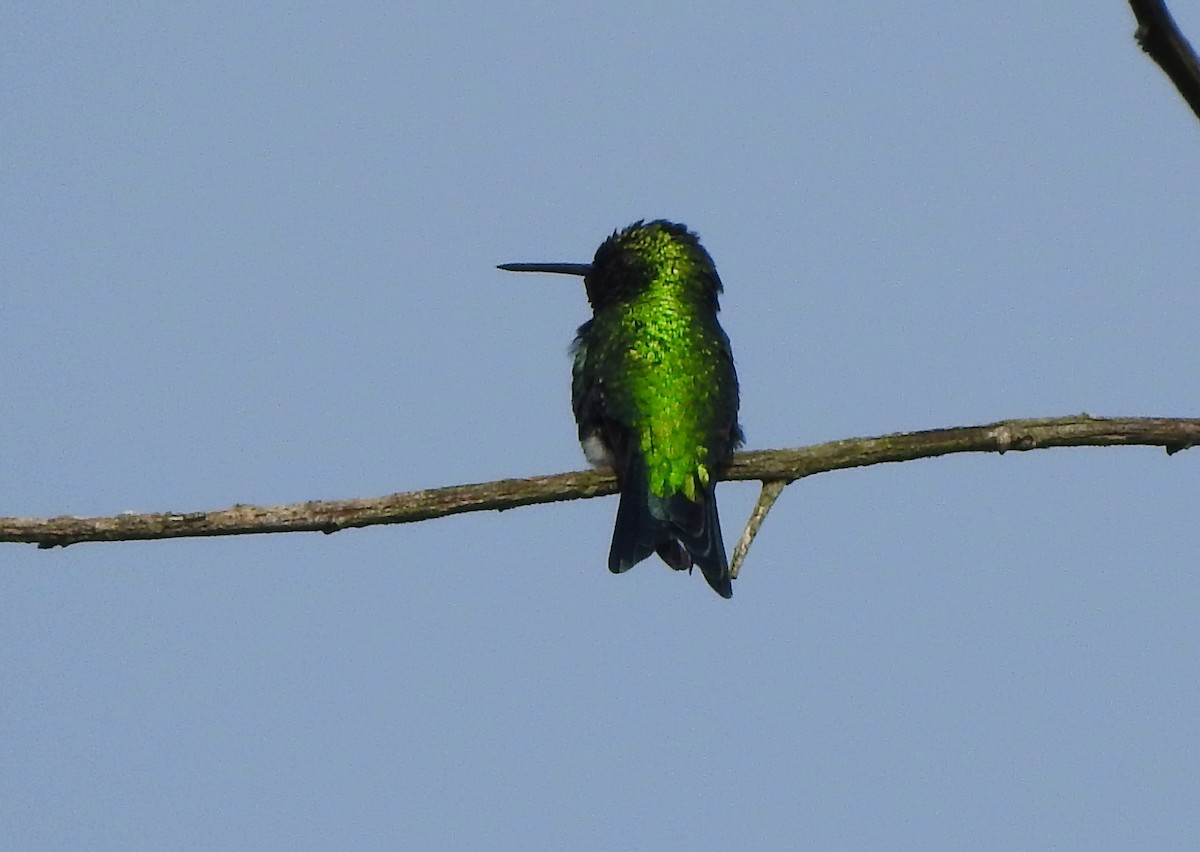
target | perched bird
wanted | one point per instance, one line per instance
(655, 393)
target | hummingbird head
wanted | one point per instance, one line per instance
(639, 258)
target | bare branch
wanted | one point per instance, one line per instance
(1160, 38)
(758, 515)
(767, 465)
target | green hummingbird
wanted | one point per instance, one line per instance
(655, 393)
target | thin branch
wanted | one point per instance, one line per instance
(758, 515)
(1160, 38)
(766, 465)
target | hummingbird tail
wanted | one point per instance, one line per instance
(637, 532)
(703, 543)
(684, 533)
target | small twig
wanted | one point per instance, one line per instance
(766, 465)
(1160, 37)
(766, 499)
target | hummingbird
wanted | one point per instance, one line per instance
(655, 393)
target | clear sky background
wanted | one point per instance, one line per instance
(247, 254)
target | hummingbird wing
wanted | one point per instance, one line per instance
(732, 432)
(637, 533)
(587, 401)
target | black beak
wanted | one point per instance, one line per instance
(557, 268)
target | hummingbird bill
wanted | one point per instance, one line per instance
(655, 393)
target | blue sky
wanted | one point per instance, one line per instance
(248, 256)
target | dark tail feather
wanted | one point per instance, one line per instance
(682, 532)
(699, 530)
(672, 552)
(637, 532)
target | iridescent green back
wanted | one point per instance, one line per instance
(659, 357)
